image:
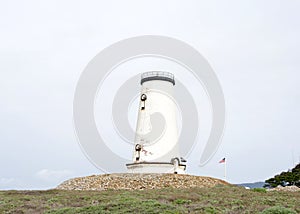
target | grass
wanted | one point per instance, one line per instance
(220, 199)
(259, 190)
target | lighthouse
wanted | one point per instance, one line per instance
(156, 148)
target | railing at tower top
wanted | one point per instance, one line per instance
(157, 75)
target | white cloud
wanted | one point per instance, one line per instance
(6, 181)
(11, 183)
(49, 175)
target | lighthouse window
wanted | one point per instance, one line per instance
(143, 99)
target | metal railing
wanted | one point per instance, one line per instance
(157, 75)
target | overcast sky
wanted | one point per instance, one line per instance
(253, 46)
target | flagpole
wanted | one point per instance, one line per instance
(225, 169)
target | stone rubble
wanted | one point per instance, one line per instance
(285, 189)
(132, 181)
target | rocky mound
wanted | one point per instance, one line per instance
(286, 189)
(132, 181)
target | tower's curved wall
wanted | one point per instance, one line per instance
(156, 139)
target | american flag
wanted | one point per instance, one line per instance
(222, 161)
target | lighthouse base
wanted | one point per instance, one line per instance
(155, 167)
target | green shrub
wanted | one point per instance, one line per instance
(182, 201)
(210, 210)
(278, 210)
(259, 190)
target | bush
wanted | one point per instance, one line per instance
(182, 201)
(259, 190)
(278, 210)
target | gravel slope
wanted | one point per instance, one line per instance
(132, 181)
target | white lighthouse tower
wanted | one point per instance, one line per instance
(156, 141)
